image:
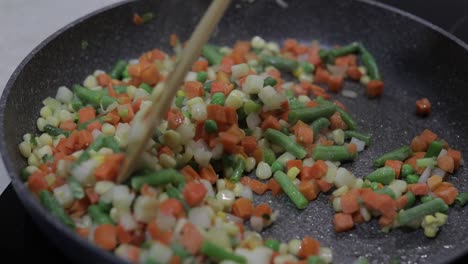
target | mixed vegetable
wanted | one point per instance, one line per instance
(250, 119)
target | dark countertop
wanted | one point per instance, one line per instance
(19, 235)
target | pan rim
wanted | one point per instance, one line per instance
(31, 203)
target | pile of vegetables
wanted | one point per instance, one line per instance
(237, 128)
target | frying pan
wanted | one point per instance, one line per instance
(416, 59)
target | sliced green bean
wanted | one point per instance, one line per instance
(97, 144)
(291, 190)
(280, 63)
(238, 170)
(219, 253)
(308, 115)
(386, 190)
(285, 142)
(276, 166)
(273, 244)
(269, 81)
(212, 54)
(434, 149)
(342, 51)
(180, 251)
(52, 205)
(112, 143)
(352, 124)
(419, 211)
(55, 131)
(462, 199)
(158, 178)
(358, 135)
(175, 193)
(76, 104)
(411, 200)
(426, 198)
(146, 87)
(412, 178)
(118, 69)
(120, 89)
(98, 216)
(397, 154)
(105, 207)
(332, 153)
(319, 125)
(384, 175)
(426, 162)
(95, 98)
(370, 64)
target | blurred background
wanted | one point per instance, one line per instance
(25, 23)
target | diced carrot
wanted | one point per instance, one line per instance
(191, 239)
(349, 202)
(235, 130)
(456, 156)
(96, 125)
(379, 202)
(105, 236)
(420, 188)
(249, 143)
(209, 174)
(175, 260)
(165, 150)
(113, 117)
(126, 113)
(133, 253)
(304, 133)
(200, 65)
(321, 75)
(434, 181)
(194, 193)
(82, 232)
(395, 165)
(109, 169)
(91, 195)
(153, 230)
(412, 160)
(274, 187)
(309, 189)
(123, 236)
(423, 106)
(256, 186)
(226, 64)
(264, 211)
(229, 141)
(243, 208)
(166, 237)
(401, 201)
(324, 186)
(347, 60)
(270, 122)
(193, 89)
(85, 138)
(218, 87)
(343, 222)
(336, 122)
(316, 171)
(86, 114)
(189, 173)
(258, 155)
(103, 79)
(446, 163)
(231, 115)
(148, 190)
(374, 88)
(309, 247)
(37, 182)
(68, 125)
(175, 118)
(312, 104)
(335, 83)
(418, 144)
(137, 20)
(428, 136)
(385, 220)
(447, 192)
(172, 206)
(149, 73)
(354, 73)
(173, 40)
(357, 217)
(294, 163)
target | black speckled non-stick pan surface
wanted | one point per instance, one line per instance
(416, 60)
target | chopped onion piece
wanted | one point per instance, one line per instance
(425, 175)
(349, 93)
(360, 145)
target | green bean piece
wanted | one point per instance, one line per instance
(175, 193)
(98, 216)
(210, 126)
(52, 205)
(406, 170)
(386, 190)
(315, 260)
(426, 198)
(112, 143)
(412, 178)
(55, 131)
(273, 244)
(25, 174)
(238, 170)
(384, 175)
(358, 135)
(158, 178)
(120, 89)
(125, 73)
(276, 166)
(319, 125)
(147, 17)
(180, 251)
(294, 104)
(218, 98)
(269, 81)
(202, 76)
(76, 188)
(76, 104)
(370, 64)
(411, 200)
(291, 190)
(307, 67)
(342, 51)
(97, 144)
(105, 207)
(462, 199)
(289, 94)
(95, 98)
(285, 142)
(212, 54)
(207, 86)
(397, 154)
(374, 186)
(349, 121)
(332, 153)
(118, 69)
(219, 254)
(280, 63)
(146, 87)
(426, 162)
(179, 101)
(323, 55)
(434, 149)
(421, 210)
(308, 115)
